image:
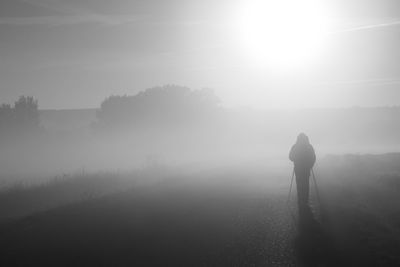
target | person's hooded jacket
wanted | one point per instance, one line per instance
(302, 154)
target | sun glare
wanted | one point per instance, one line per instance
(282, 33)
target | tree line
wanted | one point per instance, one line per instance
(168, 105)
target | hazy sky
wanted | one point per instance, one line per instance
(74, 53)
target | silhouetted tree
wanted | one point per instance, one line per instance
(166, 105)
(22, 117)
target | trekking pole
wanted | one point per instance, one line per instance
(290, 189)
(316, 186)
(288, 199)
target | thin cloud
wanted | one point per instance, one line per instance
(69, 20)
(371, 26)
(67, 13)
(59, 6)
(371, 82)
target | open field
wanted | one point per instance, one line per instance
(209, 218)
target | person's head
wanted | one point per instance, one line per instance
(302, 138)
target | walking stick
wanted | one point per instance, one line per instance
(288, 199)
(290, 189)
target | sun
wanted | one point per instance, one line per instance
(282, 34)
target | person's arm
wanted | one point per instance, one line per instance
(291, 154)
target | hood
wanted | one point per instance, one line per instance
(302, 138)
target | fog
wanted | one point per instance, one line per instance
(179, 127)
(199, 133)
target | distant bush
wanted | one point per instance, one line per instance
(21, 118)
(166, 105)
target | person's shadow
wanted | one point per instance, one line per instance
(313, 246)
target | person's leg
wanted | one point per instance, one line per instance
(303, 189)
(300, 189)
(306, 187)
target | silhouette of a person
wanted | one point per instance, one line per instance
(303, 156)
